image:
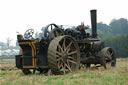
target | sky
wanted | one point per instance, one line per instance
(20, 15)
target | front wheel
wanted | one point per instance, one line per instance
(108, 57)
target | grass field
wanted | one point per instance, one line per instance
(9, 75)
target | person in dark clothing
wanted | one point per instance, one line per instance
(82, 29)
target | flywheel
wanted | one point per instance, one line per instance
(63, 55)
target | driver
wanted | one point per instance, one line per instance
(82, 29)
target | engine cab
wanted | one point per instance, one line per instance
(32, 54)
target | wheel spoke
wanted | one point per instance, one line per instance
(68, 46)
(59, 64)
(108, 54)
(68, 50)
(72, 61)
(68, 64)
(59, 53)
(64, 45)
(57, 56)
(69, 57)
(60, 48)
(63, 69)
(74, 52)
(111, 53)
(68, 67)
(60, 58)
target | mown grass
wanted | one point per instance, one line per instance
(92, 76)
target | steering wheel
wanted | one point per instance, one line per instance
(28, 34)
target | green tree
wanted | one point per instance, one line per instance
(103, 27)
(119, 26)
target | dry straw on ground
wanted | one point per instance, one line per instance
(9, 75)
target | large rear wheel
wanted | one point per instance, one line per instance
(63, 55)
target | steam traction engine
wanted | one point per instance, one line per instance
(62, 50)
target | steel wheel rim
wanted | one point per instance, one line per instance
(109, 57)
(64, 52)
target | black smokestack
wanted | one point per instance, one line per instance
(94, 23)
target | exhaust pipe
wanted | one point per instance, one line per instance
(94, 23)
